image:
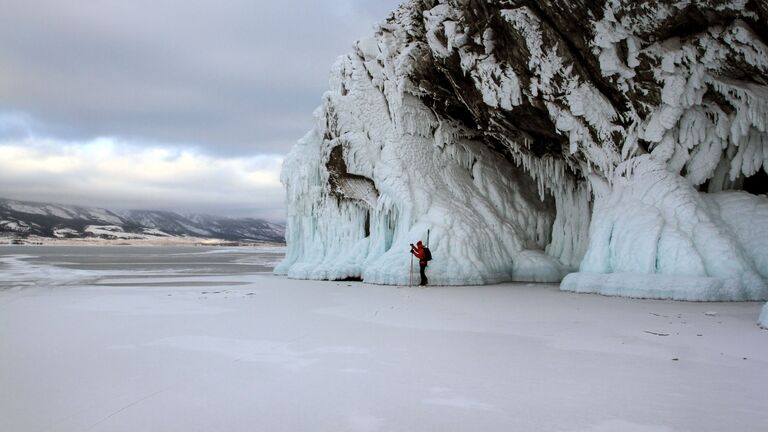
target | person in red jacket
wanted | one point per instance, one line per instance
(418, 252)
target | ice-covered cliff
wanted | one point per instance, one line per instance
(620, 143)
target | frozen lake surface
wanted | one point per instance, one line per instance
(151, 259)
(206, 339)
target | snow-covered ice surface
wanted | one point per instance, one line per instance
(187, 339)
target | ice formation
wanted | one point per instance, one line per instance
(763, 320)
(613, 143)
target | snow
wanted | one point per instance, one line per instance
(197, 231)
(65, 232)
(58, 211)
(23, 208)
(763, 320)
(104, 230)
(126, 351)
(63, 212)
(689, 71)
(104, 216)
(114, 231)
(14, 226)
(155, 232)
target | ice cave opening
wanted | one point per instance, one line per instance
(756, 184)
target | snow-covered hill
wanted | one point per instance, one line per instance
(62, 221)
(622, 143)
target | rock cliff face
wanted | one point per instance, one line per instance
(620, 143)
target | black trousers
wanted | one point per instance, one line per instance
(422, 268)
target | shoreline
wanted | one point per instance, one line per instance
(160, 242)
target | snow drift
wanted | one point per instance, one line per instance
(618, 142)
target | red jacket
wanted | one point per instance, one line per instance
(418, 252)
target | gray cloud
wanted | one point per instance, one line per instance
(119, 175)
(232, 78)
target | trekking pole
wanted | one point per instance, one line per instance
(427, 237)
(410, 273)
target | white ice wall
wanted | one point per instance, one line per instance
(633, 220)
(487, 220)
(697, 246)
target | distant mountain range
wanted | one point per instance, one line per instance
(22, 218)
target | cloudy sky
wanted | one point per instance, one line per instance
(165, 104)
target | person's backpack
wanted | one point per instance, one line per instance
(427, 254)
